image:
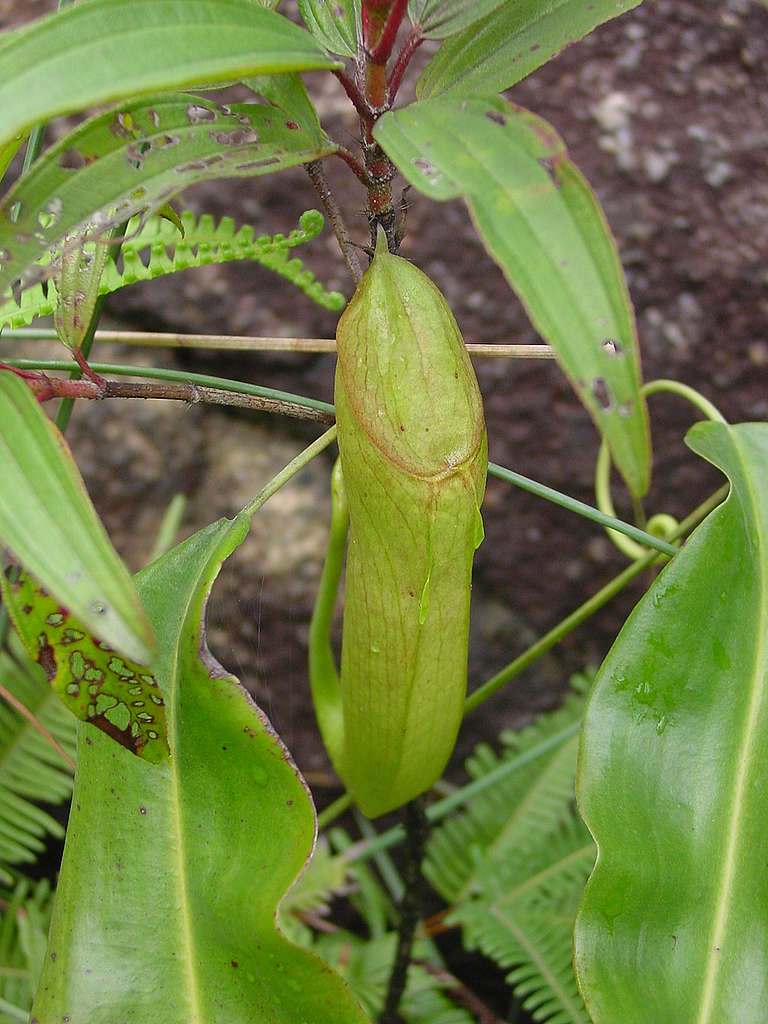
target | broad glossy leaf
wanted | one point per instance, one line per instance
(118, 696)
(172, 874)
(333, 23)
(542, 224)
(49, 525)
(135, 158)
(511, 42)
(102, 50)
(673, 925)
(440, 18)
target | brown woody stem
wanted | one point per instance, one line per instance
(46, 388)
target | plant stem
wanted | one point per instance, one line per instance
(47, 388)
(414, 40)
(416, 837)
(293, 467)
(24, 711)
(648, 540)
(161, 373)
(245, 343)
(334, 810)
(331, 207)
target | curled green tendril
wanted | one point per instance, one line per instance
(661, 524)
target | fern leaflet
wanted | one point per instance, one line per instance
(521, 807)
(155, 248)
(30, 770)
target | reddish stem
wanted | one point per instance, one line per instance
(379, 35)
(45, 388)
(351, 89)
(351, 161)
(412, 43)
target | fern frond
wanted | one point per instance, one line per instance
(520, 808)
(24, 926)
(523, 919)
(366, 967)
(31, 771)
(156, 248)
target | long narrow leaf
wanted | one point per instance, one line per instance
(49, 525)
(673, 925)
(97, 51)
(438, 19)
(509, 43)
(136, 157)
(172, 874)
(543, 225)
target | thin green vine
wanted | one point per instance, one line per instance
(660, 525)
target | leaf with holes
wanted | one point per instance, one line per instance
(49, 525)
(105, 50)
(509, 43)
(196, 852)
(98, 686)
(673, 925)
(542, 224)
(135, 158)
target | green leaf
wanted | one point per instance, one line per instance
(118, 696)
(440, 18)
(103, 50)
(289, 94)
(673, 925)
(334, 23)
(134, 158)
(543, 225)
(511, 42)
(8, 151)
(31, 771)
(172, 874)
(49, 525)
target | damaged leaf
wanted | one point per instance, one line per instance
(133, 159)
(98, 686)
(196, 852)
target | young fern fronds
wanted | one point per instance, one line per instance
(24, 924)
(156, 248)
(31, 771)
(523, 920)
(514, 864)
(521, 808)
(365, 965)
